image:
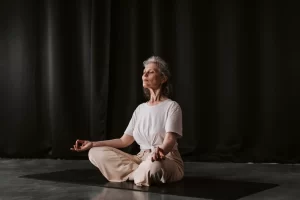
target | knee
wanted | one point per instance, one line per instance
(149, 173)
(98, 153)
(154, 171)
(154, 168)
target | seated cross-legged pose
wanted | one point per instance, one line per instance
(155, 125)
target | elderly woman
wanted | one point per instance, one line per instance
(155, 125)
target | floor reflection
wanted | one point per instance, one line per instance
(114, 194)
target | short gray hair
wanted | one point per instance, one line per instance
(164, 70)
(161, 64)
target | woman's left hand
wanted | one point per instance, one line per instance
(158, 154)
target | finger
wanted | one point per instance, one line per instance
(83, 148)
(80, 141)
(72, 149)
(77, 144)
(153, 158)
(161, 153)
(156, 156)
(161, 150)
(157, 151)
(162, 156)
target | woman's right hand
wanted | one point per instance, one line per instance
(82, 145)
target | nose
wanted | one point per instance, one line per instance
(145, 74)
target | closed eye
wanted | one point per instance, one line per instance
(148, 72)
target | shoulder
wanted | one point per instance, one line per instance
(174, 105)
(139, 107)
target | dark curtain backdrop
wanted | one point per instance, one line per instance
(72, 69)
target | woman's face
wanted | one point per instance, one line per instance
(152, 78)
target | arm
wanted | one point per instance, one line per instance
(122, 142)
(169, 142)
(167, 146)
(173, 128)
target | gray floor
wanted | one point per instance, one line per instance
(13, 187)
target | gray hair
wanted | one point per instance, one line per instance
(164, 70)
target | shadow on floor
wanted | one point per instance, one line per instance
(199, 187)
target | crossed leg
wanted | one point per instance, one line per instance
(118, 166)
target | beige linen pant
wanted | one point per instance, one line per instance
(118, 166)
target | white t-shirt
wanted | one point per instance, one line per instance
(149, 124)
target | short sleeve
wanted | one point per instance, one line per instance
(132, 122)
(174, 119)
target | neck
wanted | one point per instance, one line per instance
(155, 96)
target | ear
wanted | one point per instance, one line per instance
(164, 79)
